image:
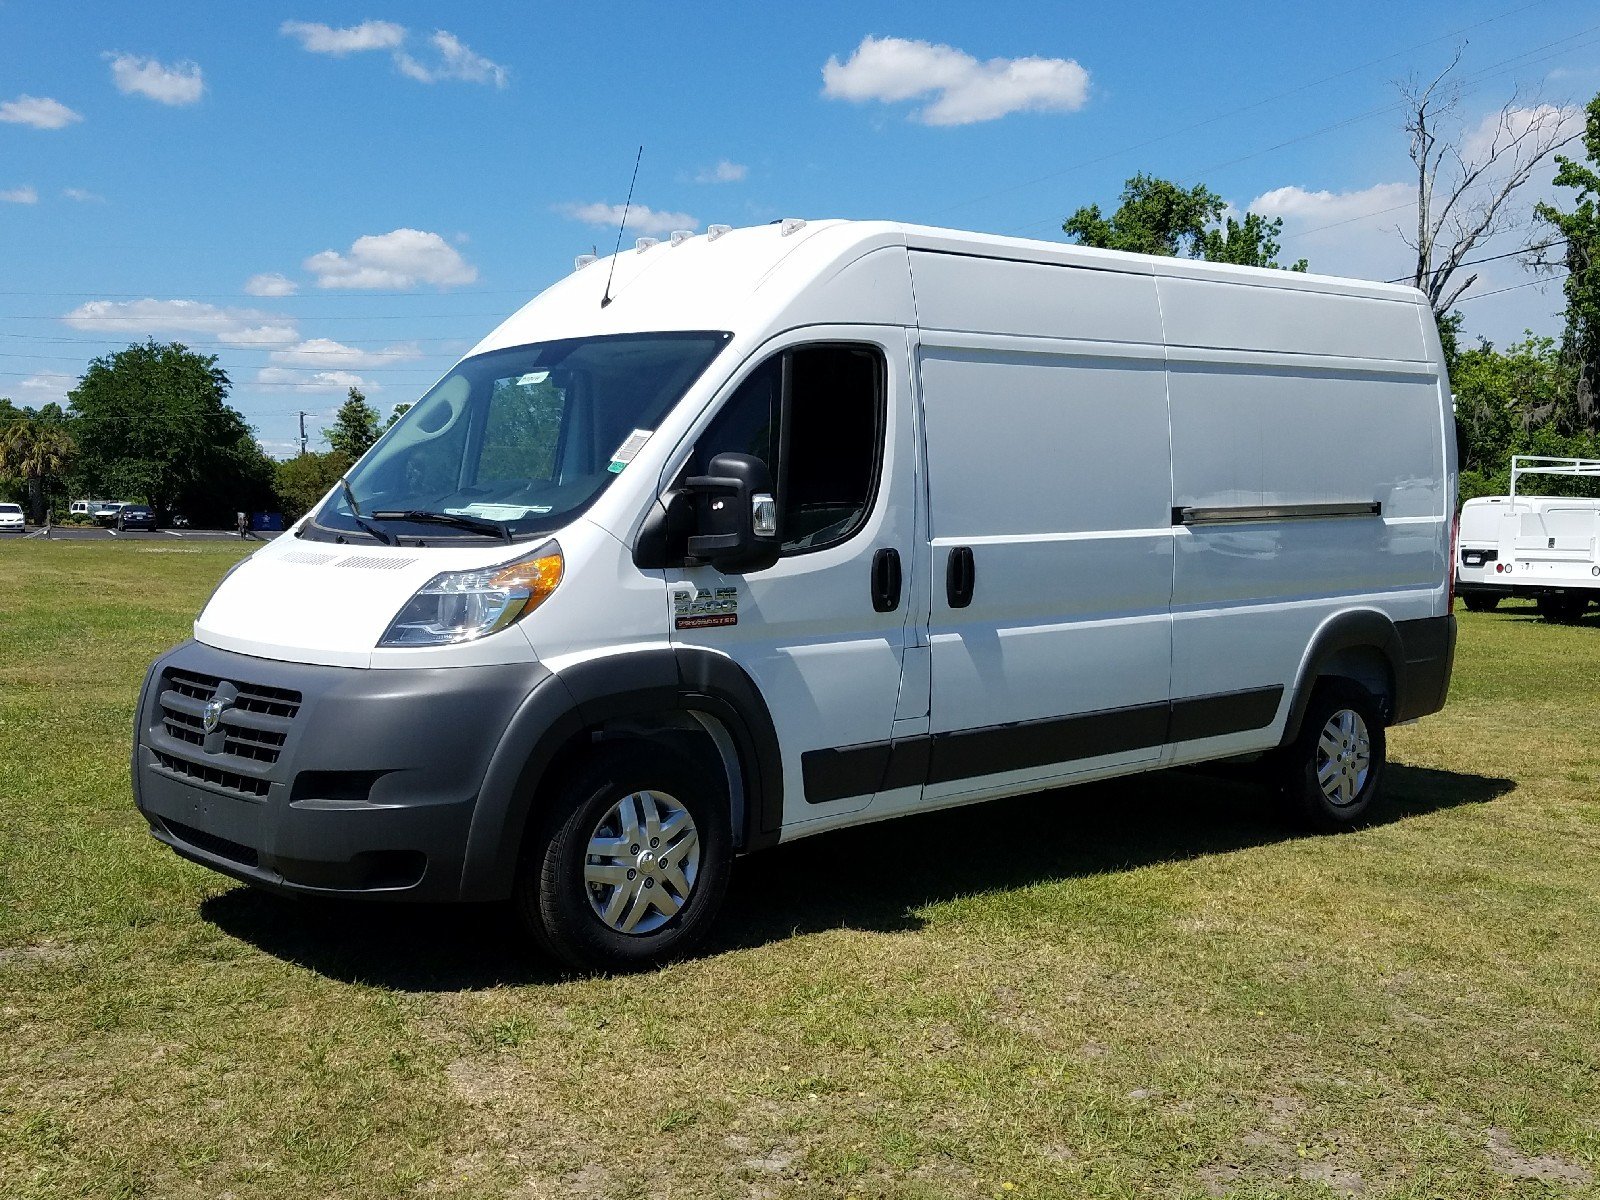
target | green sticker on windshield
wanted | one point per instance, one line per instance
(630, 447)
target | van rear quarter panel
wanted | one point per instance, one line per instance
(1291, 397)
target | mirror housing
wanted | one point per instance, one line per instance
(736, 517)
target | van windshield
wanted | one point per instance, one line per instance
(517, 442)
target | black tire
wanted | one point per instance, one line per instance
(1562, 607)
(552, 897)
(1306, 799)
(1478, 602)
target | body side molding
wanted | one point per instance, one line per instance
(833, 774)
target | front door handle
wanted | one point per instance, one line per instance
(886, 579)
(959, 577)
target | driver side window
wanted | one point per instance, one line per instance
(815, 416)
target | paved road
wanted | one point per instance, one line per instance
(89, 533)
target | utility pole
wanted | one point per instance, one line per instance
(302, 414)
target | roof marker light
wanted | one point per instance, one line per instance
(680, 236)
(713, 232)
(584, 260)
(791, 225)
(644, 244)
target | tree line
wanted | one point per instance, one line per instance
(151, 423)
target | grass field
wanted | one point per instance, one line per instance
(1148, 989)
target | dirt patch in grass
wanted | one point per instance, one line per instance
(35, 955)
(1548, 1168)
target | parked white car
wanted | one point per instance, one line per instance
(11, 516)
(106, 514)
(738, 538)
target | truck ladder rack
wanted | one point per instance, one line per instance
(1544, 464)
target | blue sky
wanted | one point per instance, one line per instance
(327, 193)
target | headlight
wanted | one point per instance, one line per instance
(461, 606)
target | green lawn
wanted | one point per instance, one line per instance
(1148, 989)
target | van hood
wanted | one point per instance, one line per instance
(328, 604)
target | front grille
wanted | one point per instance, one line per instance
(205, 773)
(251, 730)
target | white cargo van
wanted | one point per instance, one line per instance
(751, 535)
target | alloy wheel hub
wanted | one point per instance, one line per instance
(1343, 758)
(641, 863)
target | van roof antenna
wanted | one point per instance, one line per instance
(623, 224)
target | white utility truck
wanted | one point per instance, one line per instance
(1545, 547)
(1480, 576)
(736, 538)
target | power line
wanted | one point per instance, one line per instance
(133, 323)
(361, 294)
(271, 367)
(1472, 262)
(1513, 288)
(462, 342)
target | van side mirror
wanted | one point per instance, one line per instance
(736, 515)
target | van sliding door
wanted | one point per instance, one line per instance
(1049, 479)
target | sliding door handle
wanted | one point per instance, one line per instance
(959, 577)
(886, 579)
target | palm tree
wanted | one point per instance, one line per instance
(36, 451)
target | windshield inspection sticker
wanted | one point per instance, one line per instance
(705, 607)
(629, 450)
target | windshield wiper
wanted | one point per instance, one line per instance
(422, 516)
(355, 513)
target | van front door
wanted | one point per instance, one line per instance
(822, 633)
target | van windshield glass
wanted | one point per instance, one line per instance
(517, 442)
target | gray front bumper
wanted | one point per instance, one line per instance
(324, 780)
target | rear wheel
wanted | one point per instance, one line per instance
(1330, 774)
(629, 865)
(1562, 607)
(1478, 602)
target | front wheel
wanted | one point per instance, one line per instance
(628, 866)
(1331, 773)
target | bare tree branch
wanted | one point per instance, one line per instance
(1466, 192)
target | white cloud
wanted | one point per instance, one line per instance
(325, 352)
(271, 284)
(964, 90)
(48, 387)
(723, 172)
(181, 83)
(321, 381)
(83, 196)
(450, 58)
(400, 259)
(1324, 207)
(641, 220)
(137, 318)
(40, 112)
(1352, 233)
(456, 60)
(26, 194)
(353, 39)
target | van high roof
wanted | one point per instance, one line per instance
(735, 278)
